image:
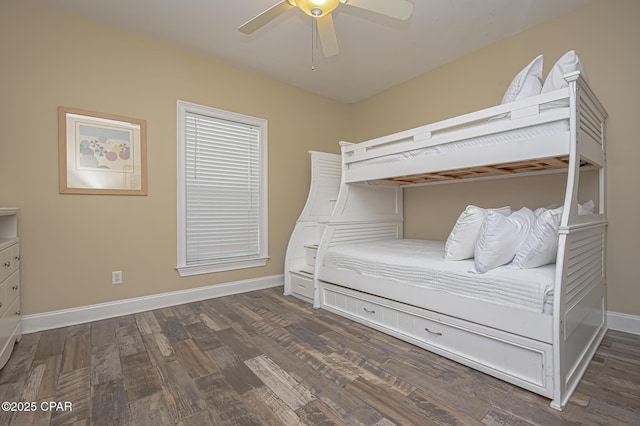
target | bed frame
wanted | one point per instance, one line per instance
(546, 354)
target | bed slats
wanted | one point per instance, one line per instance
(509, 169)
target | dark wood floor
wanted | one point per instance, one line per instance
(262, 358)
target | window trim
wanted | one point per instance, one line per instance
(183, 269)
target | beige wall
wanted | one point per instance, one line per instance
(605, 35)
(71, 243)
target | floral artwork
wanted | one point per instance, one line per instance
(101, 153)
(104, 148)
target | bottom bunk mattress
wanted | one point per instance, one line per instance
(421, 263)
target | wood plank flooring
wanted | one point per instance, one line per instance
(261, 358)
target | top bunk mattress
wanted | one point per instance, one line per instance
(454, 140)
(421, 263)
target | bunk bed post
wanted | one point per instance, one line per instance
(579, 306)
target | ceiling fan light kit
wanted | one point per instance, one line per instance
(315, 8)
(320, 11)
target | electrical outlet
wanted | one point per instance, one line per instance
(116, 277)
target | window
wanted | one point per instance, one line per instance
(222, 190)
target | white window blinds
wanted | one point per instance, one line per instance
(223, 191)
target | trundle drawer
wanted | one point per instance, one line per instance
(356, 307)
(302, 284)
(523, 361)
(506, 354)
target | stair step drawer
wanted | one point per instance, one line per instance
(302, 284)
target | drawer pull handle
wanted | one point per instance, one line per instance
(7, 263)
(15, 287)
(18, 313)
(17, 258)
(370, 311)
(0, 304)
(432, 332)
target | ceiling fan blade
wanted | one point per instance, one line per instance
(265, 17)
(327, 34)
(399, 9)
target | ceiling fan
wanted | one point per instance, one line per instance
(321, 10)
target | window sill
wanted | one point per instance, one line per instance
(186, 271)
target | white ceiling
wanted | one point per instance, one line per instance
(376, 52)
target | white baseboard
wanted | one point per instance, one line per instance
(623, 322)
(72, 316)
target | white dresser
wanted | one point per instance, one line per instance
(300, 259)
(10, 325)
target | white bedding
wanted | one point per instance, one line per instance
(422, 263)
(545, 129)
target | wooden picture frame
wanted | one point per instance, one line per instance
(101, 153)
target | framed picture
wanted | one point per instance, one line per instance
(101, 153)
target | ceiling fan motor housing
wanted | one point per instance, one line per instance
(315, 8)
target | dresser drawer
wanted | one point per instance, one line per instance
(8, 321)
(302, 285)
(10, 290)
(10, 326)
(9, 261)
(4, 302)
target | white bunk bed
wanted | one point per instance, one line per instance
(546, 353)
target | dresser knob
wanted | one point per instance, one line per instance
(15, 287)
(17, 258)
(18, 313)
(7, 264)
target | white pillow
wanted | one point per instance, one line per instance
(528, 82)
(587, 208)
(500, 237)
(541, 210)
(462, 239)
(540, 247)
(569, 62)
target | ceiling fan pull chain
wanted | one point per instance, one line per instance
(313, 33)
